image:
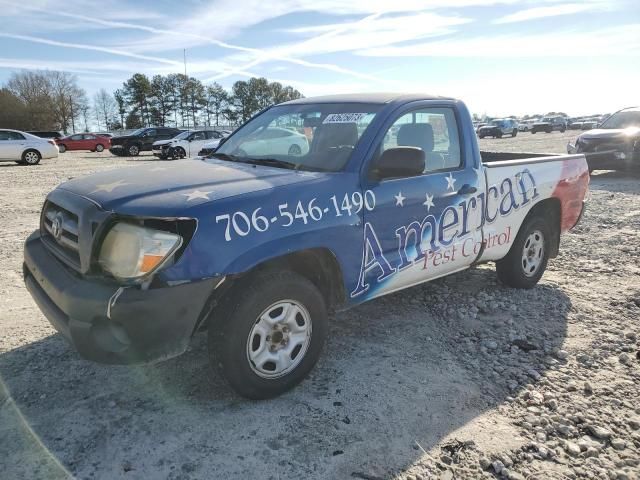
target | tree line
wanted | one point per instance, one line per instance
(51, 100)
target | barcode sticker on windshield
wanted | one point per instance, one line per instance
(344, 118)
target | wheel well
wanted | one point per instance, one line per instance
(31, 150)
(318, 265)
(550, 210)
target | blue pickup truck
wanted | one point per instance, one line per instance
(259, 242)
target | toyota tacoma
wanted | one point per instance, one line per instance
(257, 249)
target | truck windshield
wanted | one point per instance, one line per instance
(317, 137)
(623, 120)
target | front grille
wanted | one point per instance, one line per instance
(60, 233)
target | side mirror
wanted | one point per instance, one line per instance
(399, 162)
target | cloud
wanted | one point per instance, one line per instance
(94, 48)
(371, 31)
(619, 40)
(550, 11)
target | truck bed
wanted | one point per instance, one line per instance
(491, 157)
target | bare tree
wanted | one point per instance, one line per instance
(104, 108)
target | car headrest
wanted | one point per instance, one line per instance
(416, 135)
(331, 135)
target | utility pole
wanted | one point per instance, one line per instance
(73, 122)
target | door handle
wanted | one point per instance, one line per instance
(467, 189)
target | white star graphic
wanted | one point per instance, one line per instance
(450, 181)
(110, 187)
(428, 202)
(197, 194)
(399, 200)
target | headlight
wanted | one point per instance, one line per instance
(130, 251)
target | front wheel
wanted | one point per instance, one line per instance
(527, 259)
(499, 135)
(99, 148)
(133, 150)
(514, 133)
(62, 148)
(269, 333)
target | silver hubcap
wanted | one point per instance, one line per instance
(31, 157)
(279, 339)
(99, 148)
(133, 150)
(532, 253)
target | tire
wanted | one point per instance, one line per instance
(562, 130)
(533, 132)
(99, 148)
(514, 133)
(528, 257)
(62, 148)
(31, 157)
(239, 335)
(499, 135)
(179, 152)
(548, 130)
(481, 136)
(295, 150)
(133, 150)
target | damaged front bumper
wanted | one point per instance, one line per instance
(110, 324)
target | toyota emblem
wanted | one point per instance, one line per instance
(56, 227)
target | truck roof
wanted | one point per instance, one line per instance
(379, 97)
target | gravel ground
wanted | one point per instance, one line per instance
(458, 378)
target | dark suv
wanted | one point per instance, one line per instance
(550, 124)
(140, 140)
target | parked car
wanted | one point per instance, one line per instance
(479, 126)
(614, 145)
(499, 127)
(128, 264)
(46, 134)
(24, 148)
(141, 140)
(274, 141)
(589, 124)
(525, 125)
(84, 141)
(186, 144)
(550, 124)
(575, 125)
(208, 148)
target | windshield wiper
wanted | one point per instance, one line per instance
(271, 162)
(224, 156)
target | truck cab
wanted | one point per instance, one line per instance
(258, 248)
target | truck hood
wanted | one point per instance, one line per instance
(170, 190)
(611, 134)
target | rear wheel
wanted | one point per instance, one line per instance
(499, 135)
(31, 157)
(533, 132)
(527, 259)
(515, 132)
(269, 335)
(99, 148)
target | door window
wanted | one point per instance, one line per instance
(76, 137)
(197, 136)
(89, 137)
(433, 130)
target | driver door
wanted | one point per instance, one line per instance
(417, 230)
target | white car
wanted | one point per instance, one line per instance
(24, 148)
(186, 144)
(274, 141)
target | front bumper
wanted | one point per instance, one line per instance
(109, 324)
(117, 149)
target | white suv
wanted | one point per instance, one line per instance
(186, 144)
(24, 148)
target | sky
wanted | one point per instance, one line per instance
(502, 57)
